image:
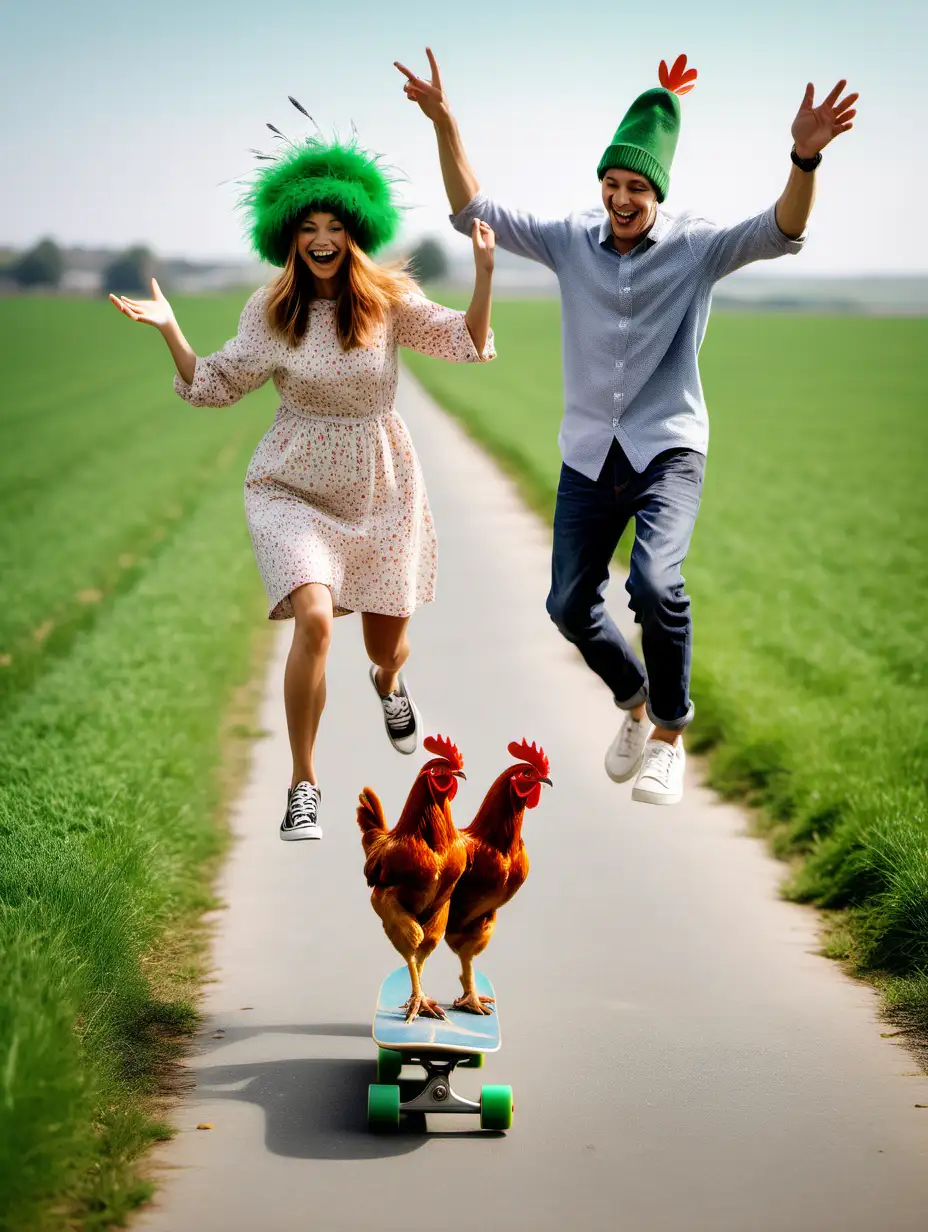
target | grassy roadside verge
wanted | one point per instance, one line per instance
(808, 578)
(131, 634)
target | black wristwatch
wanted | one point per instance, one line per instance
(805, 164)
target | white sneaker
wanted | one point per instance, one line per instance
(623, 756)
(660, 780)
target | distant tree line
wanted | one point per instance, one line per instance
(131, 271)
(43, 265)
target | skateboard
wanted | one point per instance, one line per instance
(438, 1046)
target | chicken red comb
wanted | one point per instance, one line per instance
(534, 756)
(679, 79)
(442, 747)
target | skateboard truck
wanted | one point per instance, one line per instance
(437, 1095)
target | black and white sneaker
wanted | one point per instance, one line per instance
(400, 716)
(301, 819)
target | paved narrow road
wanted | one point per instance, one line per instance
(682, 1058)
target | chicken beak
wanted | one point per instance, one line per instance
(547, 782)
(459, 774)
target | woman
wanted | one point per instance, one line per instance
(334, 494)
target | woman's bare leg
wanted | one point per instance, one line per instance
(304, 679)
(387, 643)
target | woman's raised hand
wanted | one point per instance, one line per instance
(484, 238)
(155, 311)
(428, 94)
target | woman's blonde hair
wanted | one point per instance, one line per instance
(366, 294)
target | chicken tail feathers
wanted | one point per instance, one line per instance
(371, 818)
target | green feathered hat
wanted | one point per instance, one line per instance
(335, 177)
(646, 139)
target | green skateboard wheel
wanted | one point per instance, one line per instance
(496, 1108)
(383, 1106)
(474, 1061)
(389, 1064)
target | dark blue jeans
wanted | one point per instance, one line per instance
(588, 523)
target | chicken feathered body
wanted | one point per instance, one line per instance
(414, 868)
(497, 866)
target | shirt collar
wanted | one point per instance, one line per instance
(655, 235)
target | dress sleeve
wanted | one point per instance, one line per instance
(432, 329)
(726, 249)
(540, 239)
(244, 364)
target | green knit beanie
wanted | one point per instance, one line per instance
(646, 139)
(331, 177)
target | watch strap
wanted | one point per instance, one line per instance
(805, 164)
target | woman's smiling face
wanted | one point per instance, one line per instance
(322, 243)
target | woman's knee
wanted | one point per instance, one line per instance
(313, 616)
(386, 640)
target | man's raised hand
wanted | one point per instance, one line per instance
(814, 127)
(428, 94)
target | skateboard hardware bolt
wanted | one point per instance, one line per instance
(439, 1092)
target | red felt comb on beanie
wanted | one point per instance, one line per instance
(679, 79)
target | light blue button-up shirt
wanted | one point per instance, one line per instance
(632, 325)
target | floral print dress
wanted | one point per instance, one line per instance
(334, 492)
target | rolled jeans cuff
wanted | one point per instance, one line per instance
(635, 700)
(672, 724)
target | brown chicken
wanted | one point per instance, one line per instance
(415, 866)
(497, 864)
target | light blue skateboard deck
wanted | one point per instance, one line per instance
(462, 1032)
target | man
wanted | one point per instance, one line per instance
(636, 284)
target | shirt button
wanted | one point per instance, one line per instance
(623, 323)
(627, 290)
(619, 364)
(615, 423)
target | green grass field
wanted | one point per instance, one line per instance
(131, 604)
(809, 585)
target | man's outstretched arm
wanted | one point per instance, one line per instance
(813, 128)
(460, 182)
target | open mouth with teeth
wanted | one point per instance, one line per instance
(624, 217)
(324, 257)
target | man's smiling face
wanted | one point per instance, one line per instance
(631, 204)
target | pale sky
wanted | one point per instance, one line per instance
(119, 121)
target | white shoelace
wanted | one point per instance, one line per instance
(304, 804)
(398, 711)
(659, 761)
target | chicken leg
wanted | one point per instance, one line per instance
(471, 1001)
(418, 1002)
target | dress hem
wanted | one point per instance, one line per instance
(283, 608)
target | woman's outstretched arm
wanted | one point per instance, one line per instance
(159, 313)
(477, 316)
